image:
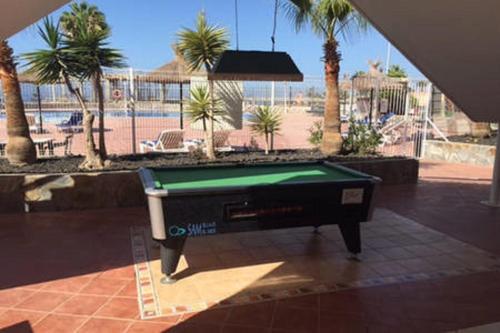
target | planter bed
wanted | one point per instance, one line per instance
(57, 184)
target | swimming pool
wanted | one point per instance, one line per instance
(56, 117)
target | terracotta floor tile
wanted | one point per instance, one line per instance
(333, 323)
(235, 258)
(148, 327)
(243, 329)
(101, 286)
(126, 273)
(254, 242)
(343, 303)
(70, 285)
(97, 325)
(388, 268)
(12, 317)
(396, 253)
(201, 261)
(130, 290)
(295, 319)
(259, 315)
(308, 302)
(266, 253)
(43, 301)
(165, 319)
(124, 308)
(55, 323)
(11, 297)
(195, 328)
(416, 265)
(212, 316)
(82, 305)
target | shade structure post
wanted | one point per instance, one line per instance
(39, 102)
(131, 107)
(494, 200)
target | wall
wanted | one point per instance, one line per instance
(456, 152)
(124, 189)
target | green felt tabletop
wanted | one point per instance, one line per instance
(203, 178)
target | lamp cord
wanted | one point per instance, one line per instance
(273, 37)
(237, 28)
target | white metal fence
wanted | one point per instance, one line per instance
(139, 105)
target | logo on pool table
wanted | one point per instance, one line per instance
(193, 229)
(176, 231)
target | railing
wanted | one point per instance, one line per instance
(139, 105)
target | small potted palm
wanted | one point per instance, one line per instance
(265, 121)
(199, 108)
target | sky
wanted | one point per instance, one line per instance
(145, 30)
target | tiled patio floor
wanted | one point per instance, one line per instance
(72, 271)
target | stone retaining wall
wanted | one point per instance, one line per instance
(457, 152)
(19, 193)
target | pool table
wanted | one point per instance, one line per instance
(200, 201)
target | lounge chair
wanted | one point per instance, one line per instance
(221, 143)
(73, 124)
(66, 143)
(169, 141)
(33, 125)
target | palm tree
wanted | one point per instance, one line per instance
(329, 19)
(265, 121)
(87, 31)
(20, 148)
(202, 47)
(396, 71)
(200, 106)
(62, 61)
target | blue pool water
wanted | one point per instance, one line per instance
(55, 117)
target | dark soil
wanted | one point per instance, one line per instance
(489, 141)
(134, 162)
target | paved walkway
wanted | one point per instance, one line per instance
(72, 271)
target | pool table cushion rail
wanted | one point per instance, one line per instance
(152, 187)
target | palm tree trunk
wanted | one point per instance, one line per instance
(92, 158)
(266, 143)
(210, 136)
(100, 101)
(332, 139)
(20, 148)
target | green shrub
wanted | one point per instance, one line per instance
(316, 133)
(361, 139)
(265, 121)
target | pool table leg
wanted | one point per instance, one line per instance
(170, 252)
(352, 238)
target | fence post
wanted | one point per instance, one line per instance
(40, 118)
(426, 118)
(351, 99)
(131, 107)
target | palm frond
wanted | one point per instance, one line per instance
(48, 64)
(202, 46)
(328, 18)
(298, 12)
(200, 104)
(265, 120)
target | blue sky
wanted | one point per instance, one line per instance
(144, 31)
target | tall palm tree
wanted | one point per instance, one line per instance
(86, 29)
(20, 148)
(329, 19)
(61, 61)
(202, 47)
